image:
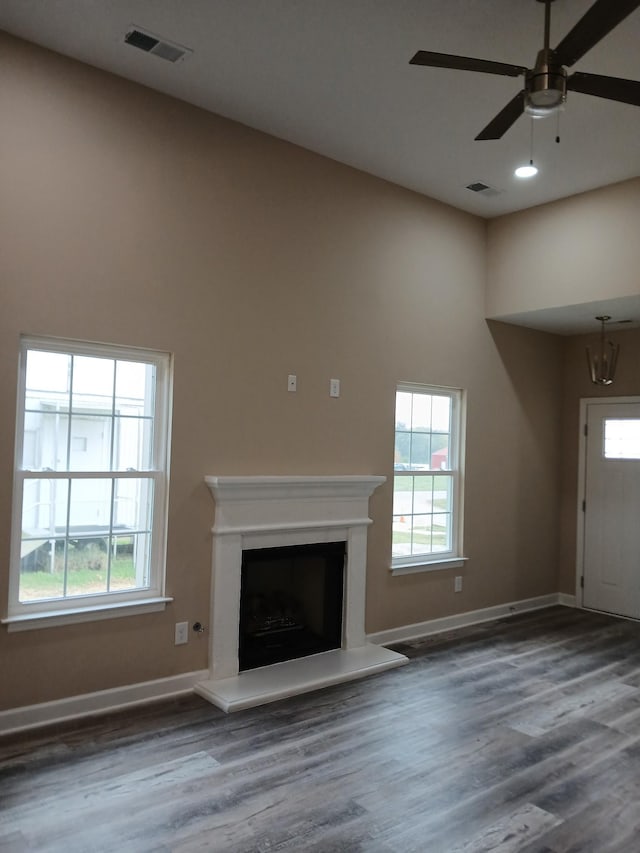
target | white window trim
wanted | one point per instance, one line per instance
(96, 613)
(453, 559)
(45, 612)
(400, 568)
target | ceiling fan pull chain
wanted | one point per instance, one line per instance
(531, 143)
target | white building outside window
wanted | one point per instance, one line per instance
(91, 479)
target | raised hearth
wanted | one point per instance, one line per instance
(274, 512)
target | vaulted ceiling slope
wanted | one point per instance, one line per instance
(334, 77)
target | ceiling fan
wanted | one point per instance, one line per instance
(546, 84)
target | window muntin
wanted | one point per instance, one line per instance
(91, 475)
(425, 527)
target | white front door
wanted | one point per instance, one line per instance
(611, 558)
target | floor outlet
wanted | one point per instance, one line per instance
(457, 584)
(182, 633)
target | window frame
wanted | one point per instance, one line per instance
(23, 615)
(453, 557)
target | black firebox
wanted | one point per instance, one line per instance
(290, 602)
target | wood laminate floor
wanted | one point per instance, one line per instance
(515, 736)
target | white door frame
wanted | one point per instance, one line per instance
(582, 472)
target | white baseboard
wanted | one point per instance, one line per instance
(117, 698)
(471, 617)
(74, 707)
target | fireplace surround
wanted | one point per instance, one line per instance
(276, 512)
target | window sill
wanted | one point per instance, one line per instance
(52, 618)
(432, 566)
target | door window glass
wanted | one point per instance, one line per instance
(622, 438)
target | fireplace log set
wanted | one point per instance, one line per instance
(272, 614)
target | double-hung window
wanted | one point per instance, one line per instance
(91, 481)
(427, 489)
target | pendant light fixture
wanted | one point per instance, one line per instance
(602, 365)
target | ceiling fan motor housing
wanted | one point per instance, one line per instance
(546, 85)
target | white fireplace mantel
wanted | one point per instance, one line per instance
(263, 504)
(266, 512)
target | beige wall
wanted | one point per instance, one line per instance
(577, 385)
(581, 249)
(131, 218)
(591, 254)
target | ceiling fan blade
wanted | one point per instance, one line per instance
(466, 63)
(601, 18)
(505, 118)
(612, 88)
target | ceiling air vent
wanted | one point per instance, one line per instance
(158, 46)
(483, 188)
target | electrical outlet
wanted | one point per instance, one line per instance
(334, 387)
(182, 633)
(457, 584)
(292, 382)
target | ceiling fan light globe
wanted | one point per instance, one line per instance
(542, 110)
(547, 98)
